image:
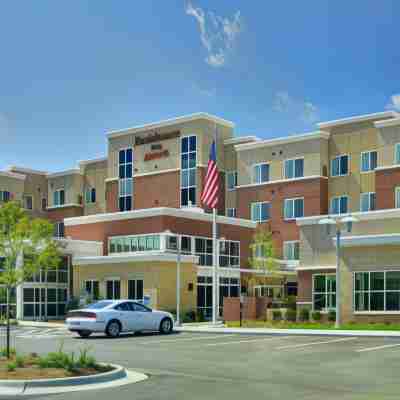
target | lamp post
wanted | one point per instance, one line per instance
(338, 223)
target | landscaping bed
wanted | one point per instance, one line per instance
(50, 366)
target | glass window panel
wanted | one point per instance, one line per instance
(361, 281)
(362, 301)
(122, 156)
(364, 161)
(319, 283)
(377, 280)
(264, 173)
(319, 302)
(343, 205)
(344, 162)
(128, 171)
(122, 171)
(29, 295)
(192, 177)
(397, 155)
(377, 301)
(192, 195)
(265, 208)
(192, 160)
(185, 161)
(299, 208)
(373, 160)
(335, 167)
(52, 295)
(289, 169)
(299, 168)
(139, 291)
(129, 156)
(392, 301)
(192, 143)
(185, 197)
(185, 145)
(393, 280)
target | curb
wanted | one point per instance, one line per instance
(36, 324)
(294, 332)
(22, 388)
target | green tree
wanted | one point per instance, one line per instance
(263, 253)
(26, 246)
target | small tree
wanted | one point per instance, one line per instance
(26, 245)
(263, 253)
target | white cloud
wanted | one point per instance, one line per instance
(394, 103)
(217, 34)
(304, 110)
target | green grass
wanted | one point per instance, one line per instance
(314, 325)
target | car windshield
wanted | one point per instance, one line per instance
(99, 305)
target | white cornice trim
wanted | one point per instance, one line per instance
(134, 257)
(92, 161)
(165, 171)
(8, 174)
(281, 181)
(370, 240)
(282, 140)
(387, 122)
(64, 206)
(361, 216)
(314, 268)
(70, 240)
(386, 167)
(241, 139)
(111, 179)
(74, 171)
(16, 169)
(357, 118)
(155, 212)
(169, 122)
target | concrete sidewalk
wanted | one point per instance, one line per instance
(41, 324)
(209, 328)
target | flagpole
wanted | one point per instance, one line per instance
(215, 249)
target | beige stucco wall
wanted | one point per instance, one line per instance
(12, 185)
(204, 130)
(72, 185)
(387, 139)
(230, 165)
(159, 280)
(95, 174)
(313, 151)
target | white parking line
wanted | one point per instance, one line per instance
(385, 346)
(247, 341)
(186, 339)
(293, 346)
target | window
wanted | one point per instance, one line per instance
(28, 202)
(377, 291)
(44, 203)
(324, 292)
(125, 180)
(59, 229)
(397, 197)
(5, 196)
(260, 212)
(340, 165)
(92, 289)
(229, 253)
(204, 250)
(113, 289)
(90, 195)
(135, 289)
(368, 201)
(231, 180)
(59, 197)
(275, 292)
(231, 212)
(294, 168)
(291, 250)
(128, 244)
(260, 173)
(339, 205)
(293, 208)
(397, 153)
(369, 161)
(188, 170)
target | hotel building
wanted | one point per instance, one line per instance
(120, 217)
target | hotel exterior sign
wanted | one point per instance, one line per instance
(158, 154)
(156, 137)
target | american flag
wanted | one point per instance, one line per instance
(209, 196)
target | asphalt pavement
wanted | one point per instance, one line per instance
(233, 366)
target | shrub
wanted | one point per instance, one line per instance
(291, 302)
(276, 315)
(3, 352)
(85, 360)
(316, 316)
(20, 361)
(332, 315)
(291, 315)
(190, 316)
(200, 316)
(11, 366)
(304, 314)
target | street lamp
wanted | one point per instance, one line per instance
(338, 222)
(176, 247)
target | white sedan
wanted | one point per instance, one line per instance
(115, 316)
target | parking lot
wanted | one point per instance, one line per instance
(233, 366)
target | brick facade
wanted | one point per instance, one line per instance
(385, 184)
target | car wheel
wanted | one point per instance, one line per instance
(84, 334)
(166, 326)
(113, 329)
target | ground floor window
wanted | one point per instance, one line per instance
(324, 292)
(273, 291)
(113, 289)
(377, 291)
(39, 302)
(135, 289)
(92, 289)
(228, 287)
(3, 302)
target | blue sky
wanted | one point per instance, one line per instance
(70, 71)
